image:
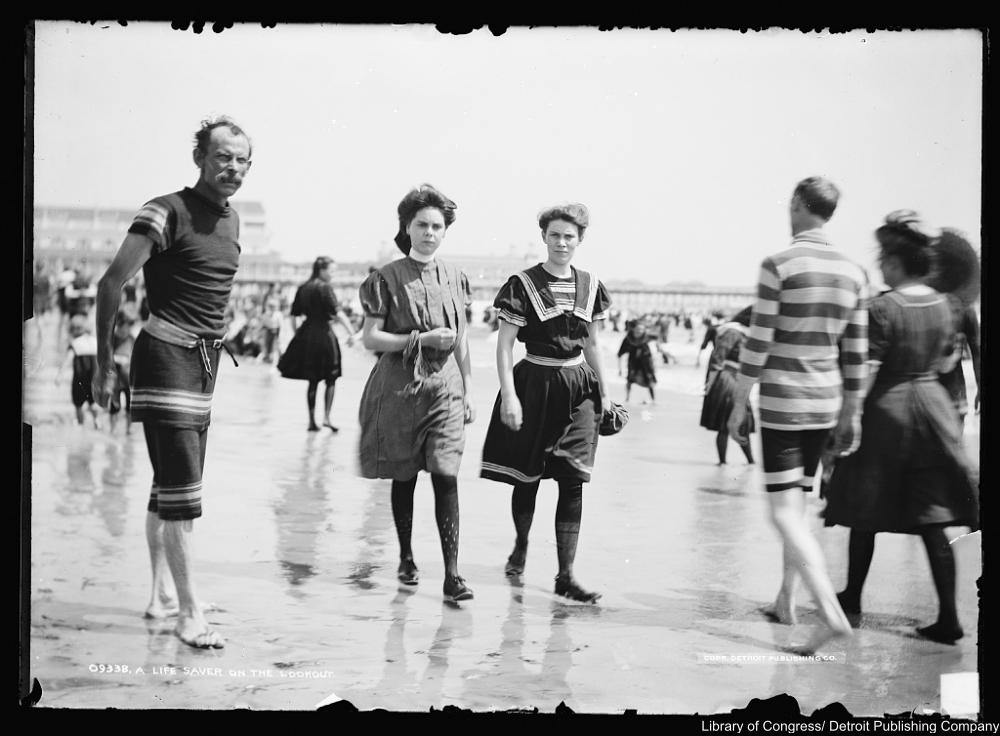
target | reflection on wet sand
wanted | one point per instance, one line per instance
(456, 623)
(112, 503)
(396, 674)
(300, 513)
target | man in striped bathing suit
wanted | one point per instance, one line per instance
(807, 346)
(187, 244)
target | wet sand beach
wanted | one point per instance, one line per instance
(298, 556)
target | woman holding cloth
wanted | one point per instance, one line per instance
(546, 418)
(418, 398)
(910, 474)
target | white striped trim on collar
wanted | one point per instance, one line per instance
(584, 311)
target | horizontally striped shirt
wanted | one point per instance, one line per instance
(196, 251)
(564, 292)
(808, 342)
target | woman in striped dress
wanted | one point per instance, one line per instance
(546, 417)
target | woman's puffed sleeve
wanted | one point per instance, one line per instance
(297, 310)
(330, 301)
(374, 296)
(512, 302)
(602, 302)
(879, 328)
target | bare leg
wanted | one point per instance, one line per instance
(783, 608)
(628, 391)
(163, 601)
(311, 402)
(652, 396)
(192, 627)
(806, 558)
(522, 507)
(328, 405)
(79, 415)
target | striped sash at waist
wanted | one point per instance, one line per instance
(171, 334)
(161, 329)
(554, 362)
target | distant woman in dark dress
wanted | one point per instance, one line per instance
(723, 367)
(640, 359)
(418, 398)
(910, 474)
(546, 417)
(314, 354)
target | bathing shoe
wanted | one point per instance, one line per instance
(568, 588)
(456, 590)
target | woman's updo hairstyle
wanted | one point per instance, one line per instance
(319, 264)
(906, 237)
(574, 213)
(417, 199)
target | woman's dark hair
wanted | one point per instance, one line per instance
(818, 195)
(204, 134)
(321, 263)
(418, 199)
(904, 236)
(955, 267)
(574, 213)
(743, 316)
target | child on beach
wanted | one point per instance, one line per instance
(123, 341)
(82, 355)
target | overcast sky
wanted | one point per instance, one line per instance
(684, 145)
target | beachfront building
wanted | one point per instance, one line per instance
(88, 238)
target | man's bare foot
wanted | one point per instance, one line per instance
(193, 630)
(823, 634)
(204, 639)
(331, 427)
(168, 609)
(313, 427)
(781, 612)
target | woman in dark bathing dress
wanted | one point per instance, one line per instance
(910, 474)
(546, 418)
(314, 354)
